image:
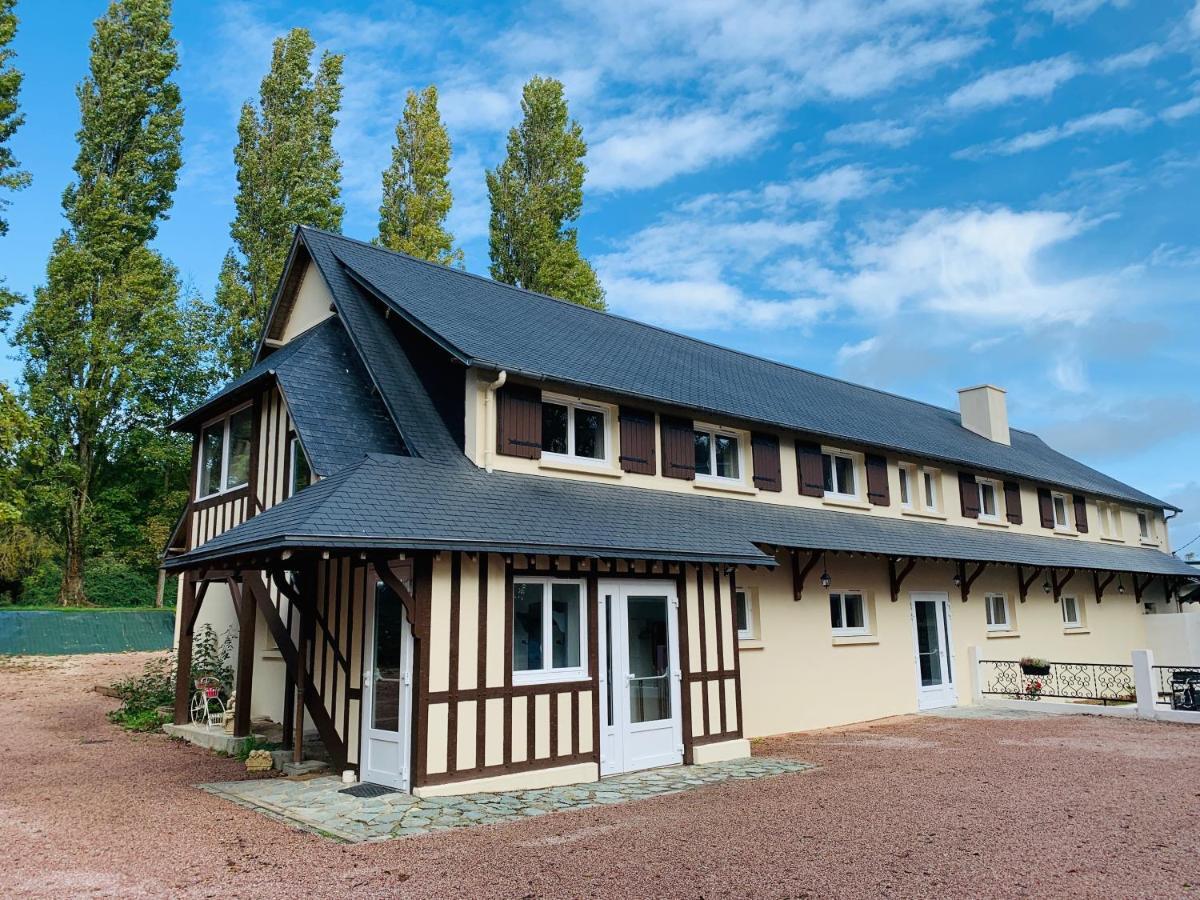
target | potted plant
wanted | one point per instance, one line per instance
(1033, 689)
(1032, 665)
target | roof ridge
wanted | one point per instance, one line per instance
(662, 330)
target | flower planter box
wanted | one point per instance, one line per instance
(1035, 670)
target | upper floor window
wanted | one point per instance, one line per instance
(1062, 511)
(906, 499)
(225, 453)
(1110, 519)
(840, 480)
(929, 478)
(574, 430)
(718, 454)
(300, 475)
(1145, 525)
(548, 640)
(919, 487)
(989, 499)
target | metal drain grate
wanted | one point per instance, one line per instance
(366, 789)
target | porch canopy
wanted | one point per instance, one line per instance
(404, 503)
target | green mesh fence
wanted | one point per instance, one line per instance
(48, 632)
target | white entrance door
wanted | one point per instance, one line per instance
(931, 634)
(387, 691)
(640, 722)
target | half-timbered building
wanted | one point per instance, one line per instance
(473, 538)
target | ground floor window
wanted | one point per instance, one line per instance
(746, 626)
(1071, 613)
(548, 637)
(997, 612)
(848, 613)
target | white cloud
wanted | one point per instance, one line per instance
(887, 132)
(1134, 59)
(1122, 118)
(834, 186)
(1068, 374)
(1184, 109)
(1036, 79)
(1193, 19)
(645, 151)
(1073, 11)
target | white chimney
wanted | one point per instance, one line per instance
(984, 411)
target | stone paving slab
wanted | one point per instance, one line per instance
(316, 804)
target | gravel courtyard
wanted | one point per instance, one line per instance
(919, 806)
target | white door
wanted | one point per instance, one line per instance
(931, 634)
(640, 721)
(387, 691)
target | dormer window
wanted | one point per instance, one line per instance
(225, 453)
(839, 474)
(574, 431)
(718, 454)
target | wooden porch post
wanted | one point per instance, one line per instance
(245, 658)
(183, 668)
(306, 609)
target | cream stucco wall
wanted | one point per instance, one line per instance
(481, 436)
(312, 305)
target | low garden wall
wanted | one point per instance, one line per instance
(54, 632)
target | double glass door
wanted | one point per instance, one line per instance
(935, 672)
(639, 676)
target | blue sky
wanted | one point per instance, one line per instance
(917, 194)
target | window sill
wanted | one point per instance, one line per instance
(750, 644)
(1146, 543)
(520, 679)
(850, 640)
(566, 465)
(1077, 629)
(847, 502)
(731, 487)
(992, 523)
(923, 514)
(1066, 532)
(1112, 540)
(1003, 634)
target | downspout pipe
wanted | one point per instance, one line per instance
(489, 436)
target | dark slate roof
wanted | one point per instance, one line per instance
(409, 503)
(496, 326)
(338, 417)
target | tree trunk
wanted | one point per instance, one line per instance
(72, 592)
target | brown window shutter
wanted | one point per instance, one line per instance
(1012, 502)
(637, 441)
(1081, 524)
(519, 421)
(808, 467)
(1046, 507)
(878, 491)
(767, 474)
(968, 490)
(678, 448)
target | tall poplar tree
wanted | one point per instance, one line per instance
(101, 340)
(288, 175)
(535, 194)
(11, 175)
(416, 187)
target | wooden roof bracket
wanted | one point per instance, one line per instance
(895, 579)
(800, 573)
(1059, 585)
(1139, 586)
(1025, 583)
(966, 581)
(1101, 585)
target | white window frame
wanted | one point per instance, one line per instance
(1144, 515)
(712, 431)
(225, 419)
(572, 404)
(1077, 622)
(1110, 520)
(750, 632)
(931, 482)
(844, 631)
(834, 453)
(997, 499)
(989, 608)
(294, 448)
(547, 674)
(906, 473)
(922, 481)
(1068, 510)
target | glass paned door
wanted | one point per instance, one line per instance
(931, 636)
(387, 691)
(640, 722)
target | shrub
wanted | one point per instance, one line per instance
(110, 582)
(41, 588)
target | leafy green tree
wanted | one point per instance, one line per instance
(11, 176)
(288, 175)
(104, 333)
(416, 187)
(535, 194)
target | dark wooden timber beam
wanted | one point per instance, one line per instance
(800, 573)
(244, 673)
(1140, 586)
(1058, 584)
(895, 579)
(386, 569)
(965, 581)
(189, 604)
(1025, 583)
(1101, 585)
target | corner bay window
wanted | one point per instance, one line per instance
(225, 453)
(573, 430)
(847, 613)
(839, 474)
(717, 455)
(548, 631)
(300, 475)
